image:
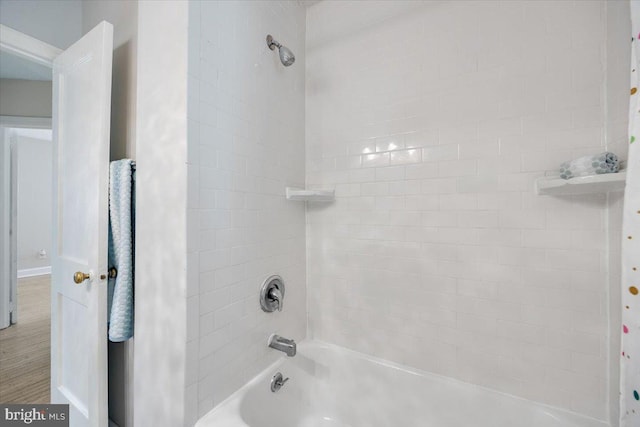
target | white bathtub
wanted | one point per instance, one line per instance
(333, 387)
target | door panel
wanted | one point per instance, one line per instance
(81, 116)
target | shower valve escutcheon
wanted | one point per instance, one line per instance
(272, 294)
(277, 382)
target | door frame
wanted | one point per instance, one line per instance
(6, 283)
(34, 50)
(27, 47)
(8, 214)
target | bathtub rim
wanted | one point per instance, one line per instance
(440, 377)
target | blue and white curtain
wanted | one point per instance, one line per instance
(630, 354)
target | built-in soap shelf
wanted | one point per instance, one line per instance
(554, 185)
(303, 195)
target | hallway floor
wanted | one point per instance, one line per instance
(25, 346)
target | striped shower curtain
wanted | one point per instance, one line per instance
(630, 362)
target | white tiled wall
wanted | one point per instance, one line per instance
(246, 144)
(432, 121)
(617, 99)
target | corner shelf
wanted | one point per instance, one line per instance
(582, 184)
(301, 195)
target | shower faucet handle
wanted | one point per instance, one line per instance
(276, 296)
(272, 294)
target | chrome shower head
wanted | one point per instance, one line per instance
(286, 56)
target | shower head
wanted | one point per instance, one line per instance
(286, 56)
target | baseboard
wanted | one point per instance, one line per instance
(30, 272)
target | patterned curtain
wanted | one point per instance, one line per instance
(630, 364)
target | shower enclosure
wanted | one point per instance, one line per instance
(431, 122)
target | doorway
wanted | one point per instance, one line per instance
(80, 100)
(25, 283)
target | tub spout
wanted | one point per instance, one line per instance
(282, 344)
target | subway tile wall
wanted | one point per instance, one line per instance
(616, 124)
(432, 121)
(246, 144)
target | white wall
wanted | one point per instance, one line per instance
(124, 17)
(27, 98)
(246, 144)
(432, 121)
(161, 214)
(34, 200)
(57, 22)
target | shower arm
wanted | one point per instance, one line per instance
(272, 43)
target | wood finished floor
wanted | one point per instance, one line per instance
(25, 346)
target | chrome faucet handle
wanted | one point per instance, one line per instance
(272, 294)
(276, 295)
(277, 382)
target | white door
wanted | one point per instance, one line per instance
(81, 117)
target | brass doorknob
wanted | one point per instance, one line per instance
(80, 277)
